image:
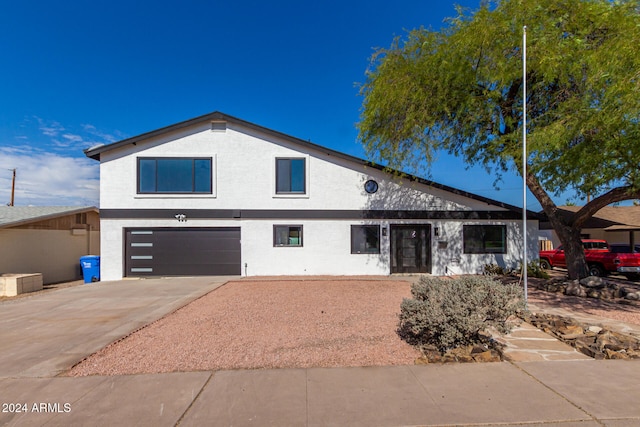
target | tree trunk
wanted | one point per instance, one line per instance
(568, 234)
(569, 226)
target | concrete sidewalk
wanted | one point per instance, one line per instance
(546, 384)
(560, 393)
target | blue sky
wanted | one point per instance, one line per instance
(78, 73)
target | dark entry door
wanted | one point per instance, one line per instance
(411, 248)
(182, 251)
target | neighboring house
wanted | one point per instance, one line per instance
(217, 195)
(48, 240)
(615, 224)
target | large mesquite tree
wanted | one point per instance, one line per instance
(459, 90)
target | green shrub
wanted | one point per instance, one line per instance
(449, 313)
(534, 270)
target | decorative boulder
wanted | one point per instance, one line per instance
(575, 289)
(593, 282)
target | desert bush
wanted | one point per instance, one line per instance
(494, 270)
(449, 313)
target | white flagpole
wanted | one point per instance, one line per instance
(524, 159)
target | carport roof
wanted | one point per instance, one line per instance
(11, 216)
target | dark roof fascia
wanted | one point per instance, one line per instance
(94, 153)
(49, 216)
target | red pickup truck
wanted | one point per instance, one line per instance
(600, 259)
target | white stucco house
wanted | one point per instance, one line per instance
(217, 195)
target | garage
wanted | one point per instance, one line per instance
(182, 251)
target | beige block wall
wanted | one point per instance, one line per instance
(54, 253)
(16, 284)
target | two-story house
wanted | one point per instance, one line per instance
(217, 195)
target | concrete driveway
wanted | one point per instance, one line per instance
(44, 335)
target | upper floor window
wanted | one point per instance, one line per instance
(485, 239)
(290, 176)
(174, 175)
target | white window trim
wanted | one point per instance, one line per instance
(307, 167)
(212, 195)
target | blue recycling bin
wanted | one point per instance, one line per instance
(90, 268)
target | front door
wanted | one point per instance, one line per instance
(411, 248)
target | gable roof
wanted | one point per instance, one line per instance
(612, 218)
(217, 116)
(11, 216)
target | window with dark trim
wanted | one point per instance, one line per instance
(365, 239)
(287, 235)
(290, 176)
(485, 239)
(174, 175)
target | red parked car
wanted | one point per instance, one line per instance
(601, 259)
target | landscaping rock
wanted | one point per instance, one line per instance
(593, 282)
(593, 293)
(610, 354)
(591, 287)
(594, 329)
(574, 288)
(591, 340)
(467, 354)
(608, 293)
(487, 356)
(633, 296)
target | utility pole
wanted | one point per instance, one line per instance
(13, 187)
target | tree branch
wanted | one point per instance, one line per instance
(541, 195)
(617, 194)
(506, 106)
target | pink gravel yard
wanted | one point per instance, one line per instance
(268, 323)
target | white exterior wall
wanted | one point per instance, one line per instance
(244, 179)
(326, 247)
(326, 250)
(453, 260)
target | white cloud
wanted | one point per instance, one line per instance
(49, 128)
(51, 167)
(61, 137)
(105, 137)
(72, 137)
(48, 179)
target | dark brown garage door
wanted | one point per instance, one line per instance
(182, 251)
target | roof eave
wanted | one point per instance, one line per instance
(48, 216)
